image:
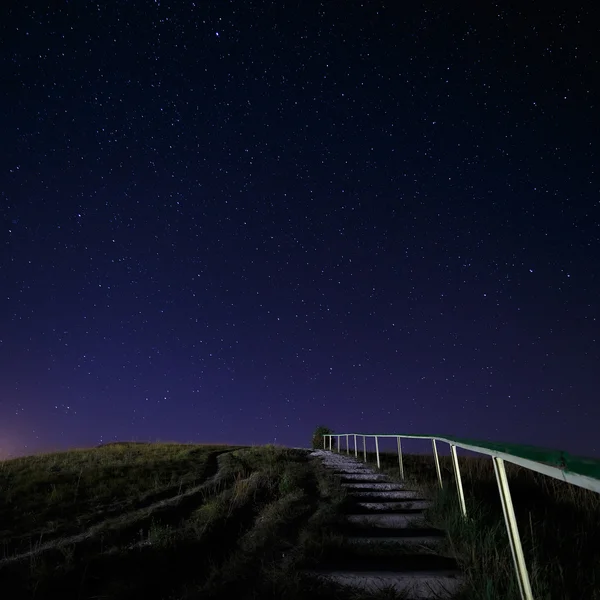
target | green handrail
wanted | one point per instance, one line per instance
(578, 470)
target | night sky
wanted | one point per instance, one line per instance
(233, 221)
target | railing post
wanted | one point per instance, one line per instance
(365, 447)
(339, 444)
(377, 451)
(459, 487)
(355, 447)
(400, 458)
(513, 530)
(324, 440)
(347, 443)
(330, 442)
(437, 463)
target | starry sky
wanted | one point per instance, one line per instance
(232, 221)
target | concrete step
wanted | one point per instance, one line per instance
(349, 468)
(418, 575)
(358, 470)
(383, 486)
(407, 540)
(416, 585)
(408, 537)
(387, 520)
(383, 495)
(428, 542)
(363, 476)
(332, 456)
(339, 457)
(364, 479)
(346, 464)
(370, 507)
(356, 559)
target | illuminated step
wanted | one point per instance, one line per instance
(416, 585)
(387, 520)
(375, 486)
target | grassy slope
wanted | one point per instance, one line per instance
(153, 521)
(64, 493)
(159, 521)
(558, 525)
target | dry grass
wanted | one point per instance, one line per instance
(64, 493)
(157, 521)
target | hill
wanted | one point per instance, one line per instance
(155, 521)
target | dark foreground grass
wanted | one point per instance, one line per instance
(167, 521)
(559, 525)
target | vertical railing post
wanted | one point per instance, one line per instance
(324, 441)
(339, 444)
(437, 463)
(365, 448)
(513, 530)
(347, 443)
(459, 487)
(330, 442)
(355, 447)
(400, 464)
(377, 452)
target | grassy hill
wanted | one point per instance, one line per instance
(159, 521)
(186, 521)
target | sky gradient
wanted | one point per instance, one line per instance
(233, 221)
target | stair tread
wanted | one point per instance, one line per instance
(374, 485)
(366, 511)
(356, 561)
(365, 495)
(435, 585)
(384, 532)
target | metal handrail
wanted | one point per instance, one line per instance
(582, 472)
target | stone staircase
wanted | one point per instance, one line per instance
(385, 541)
